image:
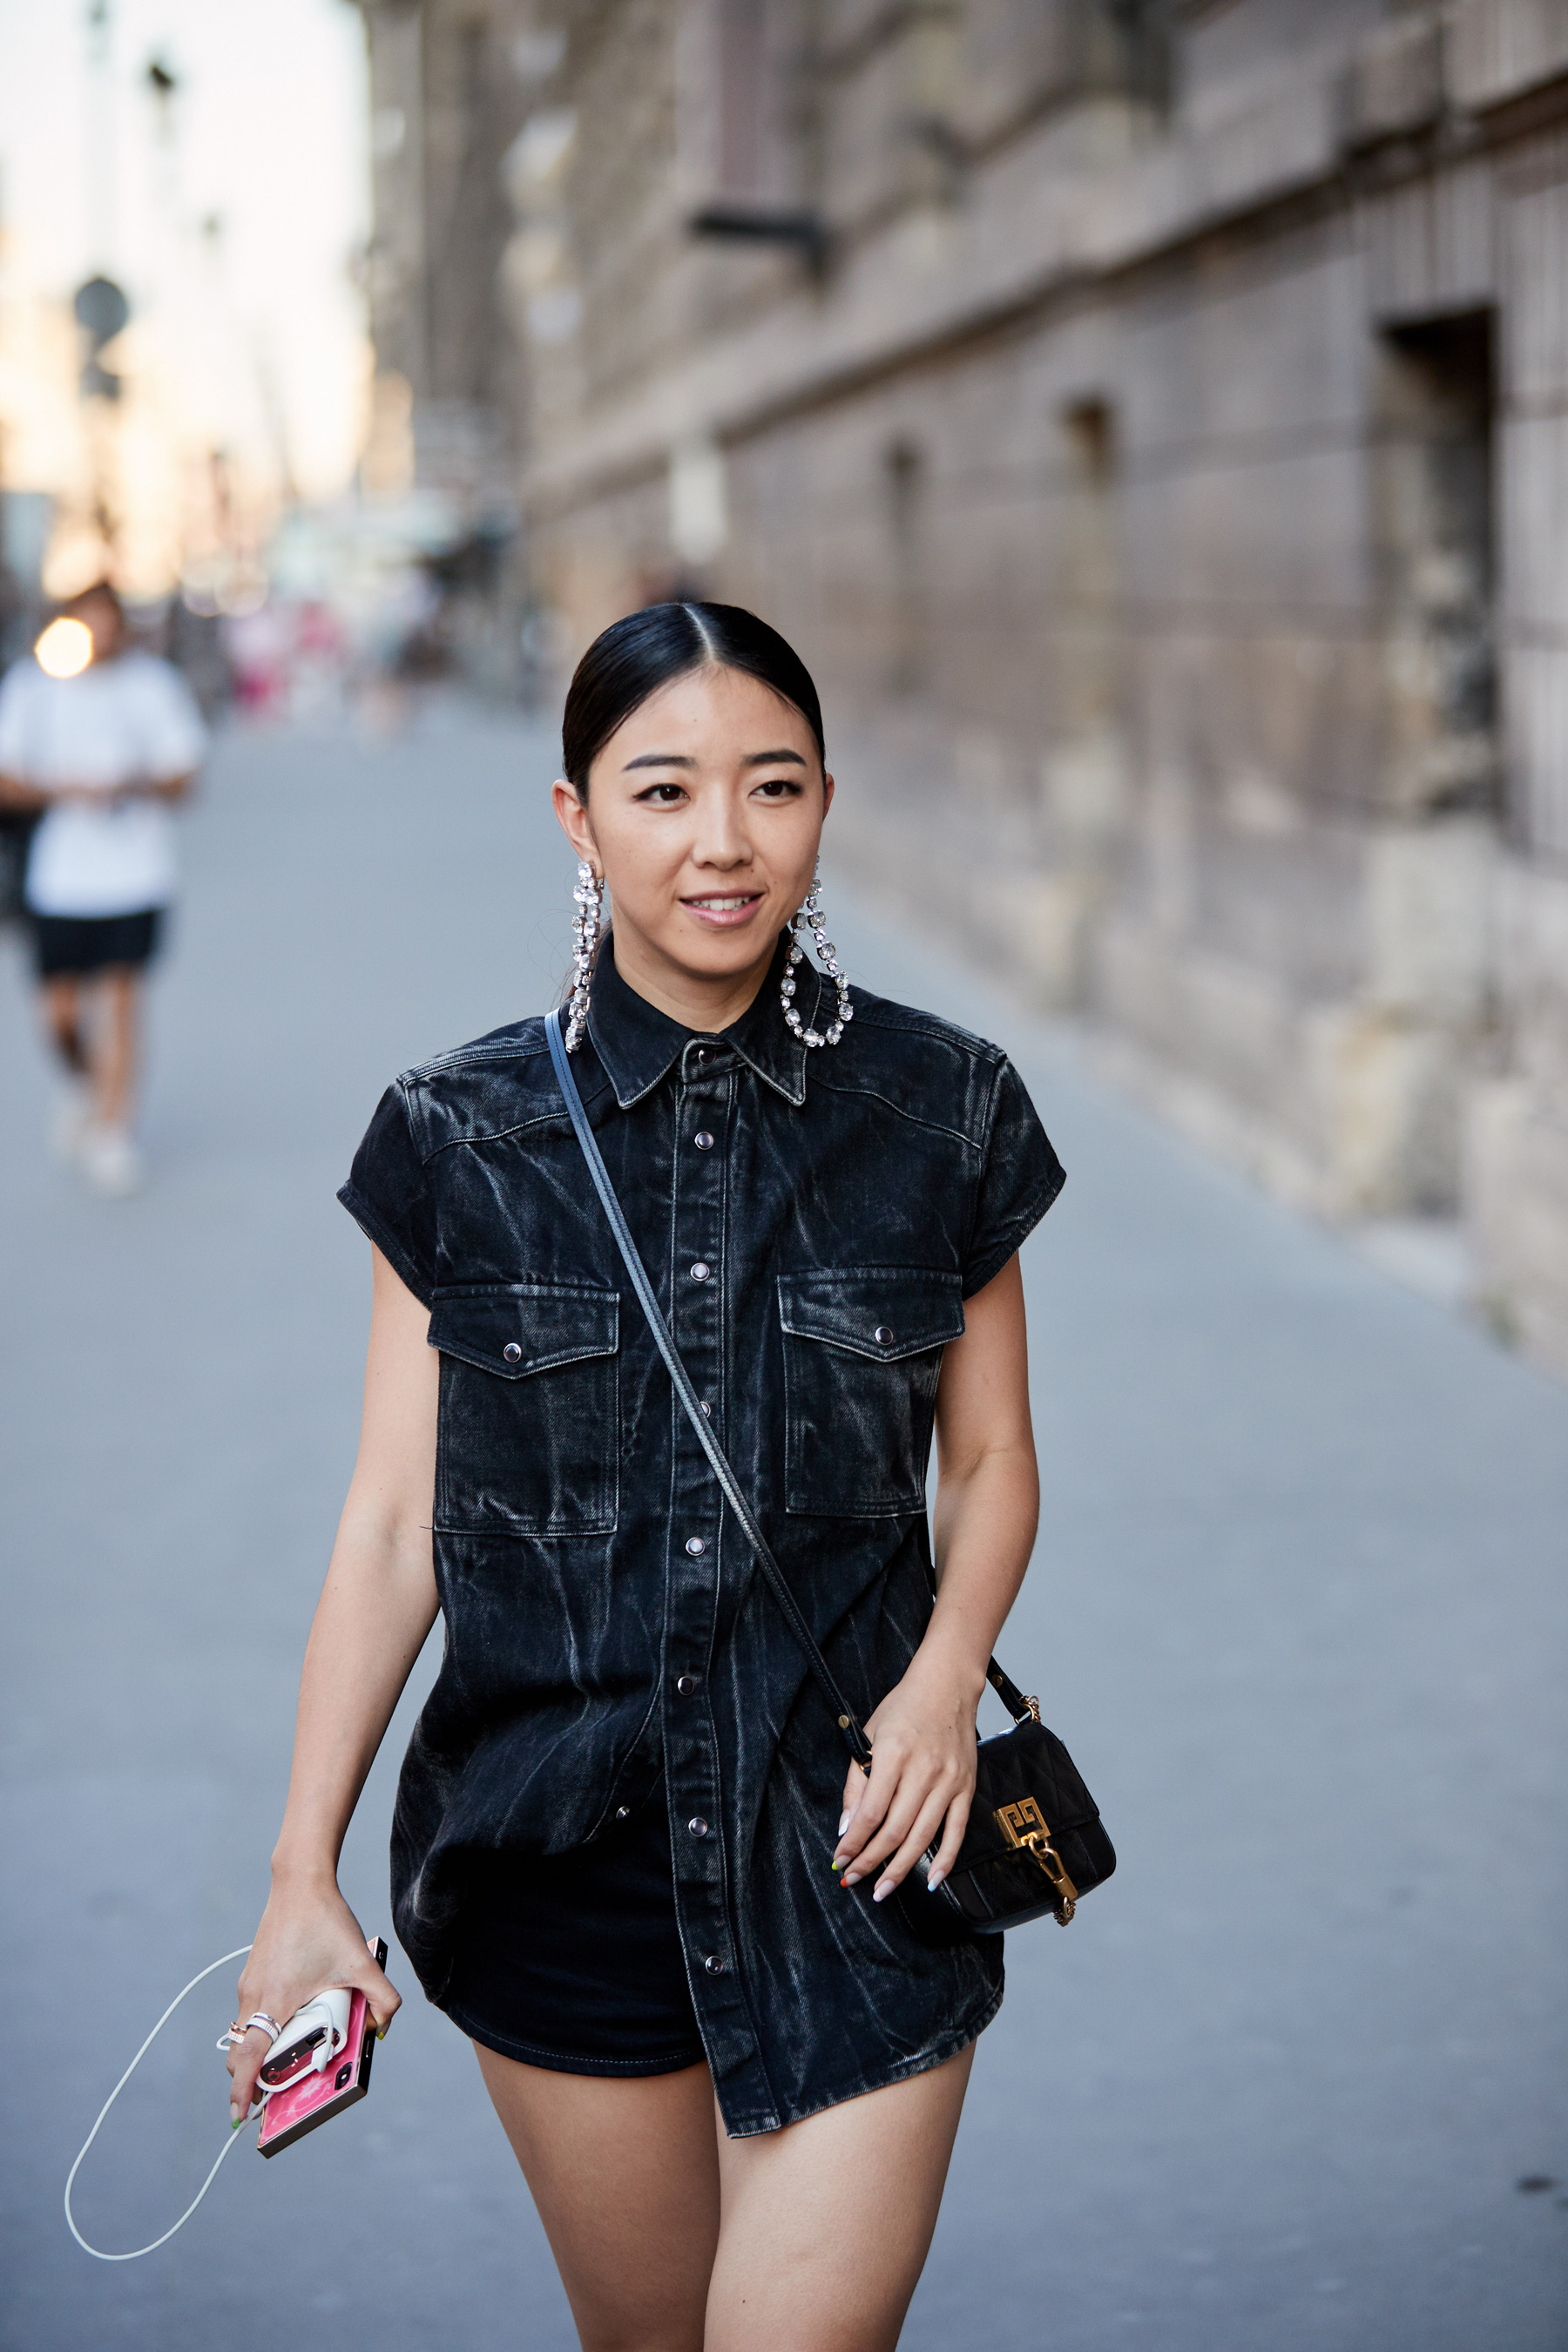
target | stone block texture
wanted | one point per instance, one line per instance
(1149, 421)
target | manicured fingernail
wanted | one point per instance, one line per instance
(881, 1892)
(380, 2033)
(934, 1880)
(234, 2119)
(842, 1824)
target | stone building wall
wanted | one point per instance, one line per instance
(452, 83)
(1151, 424)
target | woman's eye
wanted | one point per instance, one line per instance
(779, 788)
(663, 795)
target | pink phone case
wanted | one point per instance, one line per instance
(290, 2114)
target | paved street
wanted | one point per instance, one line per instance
(1299, 1607)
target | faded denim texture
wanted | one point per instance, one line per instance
(811, 1223)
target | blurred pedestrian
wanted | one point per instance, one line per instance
(100, 739)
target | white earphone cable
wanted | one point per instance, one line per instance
(136, 2254)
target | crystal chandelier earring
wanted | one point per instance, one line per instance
(816, 923)
(589, 896)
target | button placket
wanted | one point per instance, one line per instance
(698, 1321)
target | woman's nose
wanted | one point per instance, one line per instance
(722, 840)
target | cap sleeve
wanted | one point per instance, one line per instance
(388, 1195)
(1019, 1180)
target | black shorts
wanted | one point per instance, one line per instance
(71, 946)
(572, 1962)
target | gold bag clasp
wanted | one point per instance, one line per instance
(1024, 1826)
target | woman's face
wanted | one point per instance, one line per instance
(703, 814)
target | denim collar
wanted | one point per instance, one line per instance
(639, 1044)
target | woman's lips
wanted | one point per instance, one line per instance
(722, 911)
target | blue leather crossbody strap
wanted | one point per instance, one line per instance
(859, 1747)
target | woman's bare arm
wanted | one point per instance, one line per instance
(987, 1508)
(376, 1607)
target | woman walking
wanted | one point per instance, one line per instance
(627, 1860)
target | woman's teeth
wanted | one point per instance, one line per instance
(725, 905)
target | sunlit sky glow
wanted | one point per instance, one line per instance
(269, 137)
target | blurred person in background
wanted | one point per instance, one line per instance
(101, 739)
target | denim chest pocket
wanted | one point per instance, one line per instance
(529, 1440)
(862, 1351)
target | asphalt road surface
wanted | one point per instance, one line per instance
(1298, 1607)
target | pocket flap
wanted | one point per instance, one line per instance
(518, 1328)
(880, 1311)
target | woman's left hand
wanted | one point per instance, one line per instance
(922, 1774)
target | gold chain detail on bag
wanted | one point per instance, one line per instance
(1024, 1826)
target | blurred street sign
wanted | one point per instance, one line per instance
(101, 310)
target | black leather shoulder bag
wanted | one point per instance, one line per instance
(1034, 1843)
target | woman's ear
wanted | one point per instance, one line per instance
(573, 819)
(826, 791)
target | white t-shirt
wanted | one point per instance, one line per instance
(131, 717)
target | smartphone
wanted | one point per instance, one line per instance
(290, 2114)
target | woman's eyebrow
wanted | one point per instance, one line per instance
(680, 760)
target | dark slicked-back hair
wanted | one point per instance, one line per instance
(634, 657)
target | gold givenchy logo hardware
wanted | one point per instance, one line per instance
(1024, 1826)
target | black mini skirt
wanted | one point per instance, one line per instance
(572, 1962)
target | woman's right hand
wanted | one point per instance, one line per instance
(308, 1939)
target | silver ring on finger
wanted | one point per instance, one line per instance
(269, 2025)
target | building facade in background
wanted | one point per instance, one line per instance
(1151, 422)
(452, 85)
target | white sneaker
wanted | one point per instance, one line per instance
(69, 1121)
(111, 1162)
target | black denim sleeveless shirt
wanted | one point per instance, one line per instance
(812, 1222)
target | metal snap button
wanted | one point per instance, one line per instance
(883, 1336)
(512, 1352)
(714, 1965)
(706, 1408)
(703, 1139)
(623, 1813)
(696, 1546)
(686, 1684)
(701, 1270)
(698, 1826)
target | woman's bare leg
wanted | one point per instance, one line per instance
(827, 2224)
(625, 2178)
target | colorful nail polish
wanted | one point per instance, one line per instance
(842, 1824)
